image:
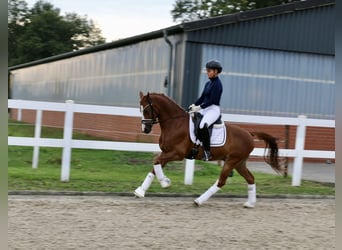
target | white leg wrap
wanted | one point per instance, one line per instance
(159, 172)
(140, 191)
(164, 181)
(251, 196)
(147, 182)
(207, 194)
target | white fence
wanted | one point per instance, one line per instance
(67, 143)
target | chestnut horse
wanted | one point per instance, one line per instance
(175, 144)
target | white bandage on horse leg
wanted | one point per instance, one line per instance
(140, 191)
(147, 182)
(159, 172)
(205, 196)
(252, 193)
(164, 181)
(251, 196)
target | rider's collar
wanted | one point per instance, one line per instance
(213, 78)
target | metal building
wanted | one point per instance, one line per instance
(276, 61)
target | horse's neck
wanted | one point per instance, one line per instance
(169, 110)
(174, 123)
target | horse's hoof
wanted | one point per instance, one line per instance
(248, 205)
(197, 203)
(165, 183)
(139, 193)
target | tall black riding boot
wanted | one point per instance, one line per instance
(206, 143)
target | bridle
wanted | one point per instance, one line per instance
(154, 119)
(155, 116)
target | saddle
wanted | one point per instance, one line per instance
(196, 119)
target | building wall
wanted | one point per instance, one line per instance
(272, 82)
(110, 77)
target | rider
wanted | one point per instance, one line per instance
(208, 104)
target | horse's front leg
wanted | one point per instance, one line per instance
(157, 170)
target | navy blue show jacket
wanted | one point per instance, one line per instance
(211, 93)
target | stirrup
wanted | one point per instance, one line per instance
(207, 156)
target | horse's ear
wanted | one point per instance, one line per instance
(141, 95)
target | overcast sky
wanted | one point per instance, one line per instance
(119, 19)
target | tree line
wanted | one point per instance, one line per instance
(41, 31)
(190, 10)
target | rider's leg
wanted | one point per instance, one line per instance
(206, 142)
(210, 115)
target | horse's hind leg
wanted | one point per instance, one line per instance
(227, 168)
(245, 173)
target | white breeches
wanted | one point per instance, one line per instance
(210, 115)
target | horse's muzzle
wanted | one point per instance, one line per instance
(146, 125)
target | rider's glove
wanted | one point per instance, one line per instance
(195, 108)
(191, 106)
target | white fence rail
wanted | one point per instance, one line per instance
(67, 143)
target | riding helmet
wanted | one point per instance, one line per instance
(214, 64)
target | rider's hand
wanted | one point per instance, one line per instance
(195, 108)
(191, 106)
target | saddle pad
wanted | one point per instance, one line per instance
(218, 135)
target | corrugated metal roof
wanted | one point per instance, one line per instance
(310, 30)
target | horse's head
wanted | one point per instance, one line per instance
(149, 115)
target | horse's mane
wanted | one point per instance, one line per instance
(168, 99)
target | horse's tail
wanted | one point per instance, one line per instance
(272, 157)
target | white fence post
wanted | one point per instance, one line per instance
(37, 132)
(19, 115)
(189, 171)
(67, 140)
(300, 142)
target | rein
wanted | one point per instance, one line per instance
(174, 117)
(155, 118)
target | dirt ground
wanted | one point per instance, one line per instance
(103, 222)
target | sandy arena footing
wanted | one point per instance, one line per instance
(105, 222)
